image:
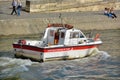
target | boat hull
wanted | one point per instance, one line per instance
(54, 53)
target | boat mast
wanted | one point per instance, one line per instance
(60, 14)
(49, 12)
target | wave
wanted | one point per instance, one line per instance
(103, 55)
(11, 66)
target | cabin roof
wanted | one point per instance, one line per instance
(60, 25)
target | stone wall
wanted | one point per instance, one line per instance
(35, 23)
(21, 26)
(86, 1)
(38, 25)
(11, 0)
(70, 5)
(5, 0)
(82, 1)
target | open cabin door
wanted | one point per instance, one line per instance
(53, 37)
(59, 37)
(50, 37)
(56, 38)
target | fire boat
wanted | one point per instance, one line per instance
(60, 42)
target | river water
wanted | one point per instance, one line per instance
(103, 66)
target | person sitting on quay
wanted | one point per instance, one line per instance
(106, 11)
(109, 12)
(112, 13)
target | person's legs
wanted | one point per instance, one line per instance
(110, 15)
(114, 15)
(18, 10)
(14, 10)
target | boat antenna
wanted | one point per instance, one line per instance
(60, 14)
(49, 12)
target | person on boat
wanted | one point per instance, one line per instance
(56, 39)
(14, 4)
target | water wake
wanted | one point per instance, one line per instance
(12, 66)
(102, 55)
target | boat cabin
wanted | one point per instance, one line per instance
(62, 34)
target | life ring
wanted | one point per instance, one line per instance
(60, 25)
(23, 42)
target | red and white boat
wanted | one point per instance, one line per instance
(60, 41)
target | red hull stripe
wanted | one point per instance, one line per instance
(58, 49)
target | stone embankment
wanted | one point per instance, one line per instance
(34, 23)
(70, 5)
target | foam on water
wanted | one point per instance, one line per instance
(12, 66)
(94, 56)
(103, 55)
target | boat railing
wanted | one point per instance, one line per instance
(77, 41)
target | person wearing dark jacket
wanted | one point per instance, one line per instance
(19, 7)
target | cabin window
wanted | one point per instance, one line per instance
(74, 35)
(62, 34)
(51, 32)
(81, 36)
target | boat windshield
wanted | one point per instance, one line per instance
(81, 35)
(74, 35)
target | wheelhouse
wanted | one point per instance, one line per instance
(62, 36)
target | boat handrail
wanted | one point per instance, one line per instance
(68, 26)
